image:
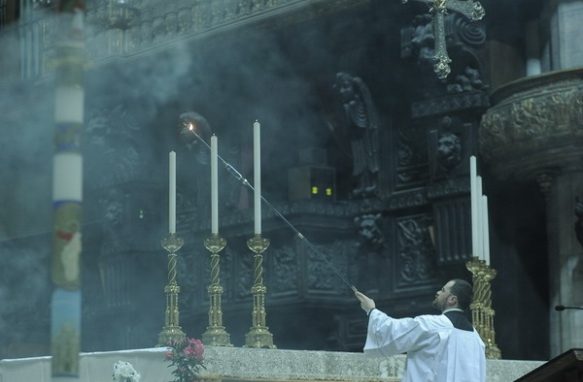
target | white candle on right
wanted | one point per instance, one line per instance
(486, 229)
(474, 205)
(214, 186)
(172, 192)
(257, 176)
(480, 217)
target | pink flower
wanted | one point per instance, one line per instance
(196, 348)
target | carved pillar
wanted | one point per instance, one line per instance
(533, 133)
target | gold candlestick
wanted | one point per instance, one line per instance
(258, 335)
(171, 332)
(481, 306)
(215, 334)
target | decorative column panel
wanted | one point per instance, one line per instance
(533, 133)
(67, 195)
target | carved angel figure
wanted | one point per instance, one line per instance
(362, 121)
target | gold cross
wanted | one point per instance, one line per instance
(469, 8)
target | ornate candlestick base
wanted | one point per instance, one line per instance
(171, 332)
(258, 335)
(481, 306)
(215, 334)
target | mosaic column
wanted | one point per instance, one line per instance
(67, 194)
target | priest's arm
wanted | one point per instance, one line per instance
(389, 336)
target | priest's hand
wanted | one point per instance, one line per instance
(367, 304)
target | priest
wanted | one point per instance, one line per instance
(440, 348)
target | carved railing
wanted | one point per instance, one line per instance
(133, 27)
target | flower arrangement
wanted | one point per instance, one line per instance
(187, 358)
(124, 372)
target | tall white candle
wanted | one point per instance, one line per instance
(474, 205)
(480, 218)
(486, 228)
(172, 193)
(214, 187)
(257, 175)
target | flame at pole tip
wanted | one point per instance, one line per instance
(192, 123)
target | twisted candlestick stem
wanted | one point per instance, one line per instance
(171, 332)
(215, 333)
(258, 335)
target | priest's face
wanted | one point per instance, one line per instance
(444, 299)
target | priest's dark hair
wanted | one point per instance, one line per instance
(463, 291)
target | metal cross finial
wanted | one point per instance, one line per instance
(469, 8)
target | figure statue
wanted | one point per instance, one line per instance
(362, 127)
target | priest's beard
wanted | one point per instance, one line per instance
(438, 304)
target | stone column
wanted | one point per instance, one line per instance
(565, 258)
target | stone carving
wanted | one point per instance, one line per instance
(411, 157)
(284, 270)
(132, 27)
(321, 276)
(446, 147)
(415, 251)
(467, 81)
(370, 252)
(362, 128)
(467, 33)
(449, 104)
(422, 41)
(534, 125)
(451, 187)
(449, 149)
(406, 199)
(369, 231)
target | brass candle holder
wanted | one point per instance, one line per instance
(215, 334)
(258, 335)
(171, 332)
(481, 306)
